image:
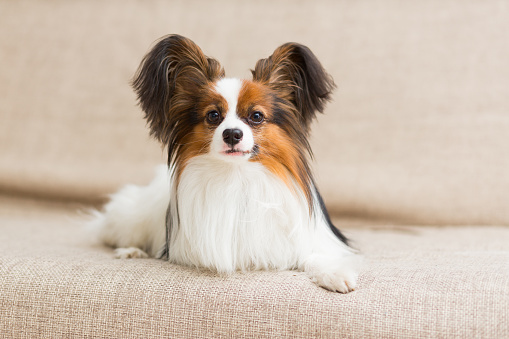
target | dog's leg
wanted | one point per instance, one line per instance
(337, 274)
(134, 219)
(331, 264)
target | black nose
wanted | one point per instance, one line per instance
(232, 136)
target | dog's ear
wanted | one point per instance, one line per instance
(295, 73)
(168, 81)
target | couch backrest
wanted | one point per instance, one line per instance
(418, 131)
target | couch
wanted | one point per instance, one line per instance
(412, 159)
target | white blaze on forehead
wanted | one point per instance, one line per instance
(229, 89)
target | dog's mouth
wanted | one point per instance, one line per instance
(235, 152)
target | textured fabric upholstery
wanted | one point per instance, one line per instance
(449, 282)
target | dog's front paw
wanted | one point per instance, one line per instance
(336, 276)
(129, 253)
(342, 280)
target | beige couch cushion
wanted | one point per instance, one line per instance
(418, 130)
(418, 282)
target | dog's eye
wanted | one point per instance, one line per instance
(256, 117)
(213, 117)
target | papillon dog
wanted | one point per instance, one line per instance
(238, 193)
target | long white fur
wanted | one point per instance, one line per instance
(228, 216)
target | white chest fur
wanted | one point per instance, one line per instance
(237, 216)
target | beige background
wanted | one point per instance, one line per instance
(418, 131)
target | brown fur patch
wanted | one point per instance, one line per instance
(278, 154)
(198, 140)
(254, 96)
(277, 150)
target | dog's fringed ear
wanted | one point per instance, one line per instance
(297, 75)
(168, 81)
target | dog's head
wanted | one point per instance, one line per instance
(193, 109)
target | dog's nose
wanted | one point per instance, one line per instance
(232, 136)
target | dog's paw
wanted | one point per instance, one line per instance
(332, 275)
(342, 280)
(130, 253)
